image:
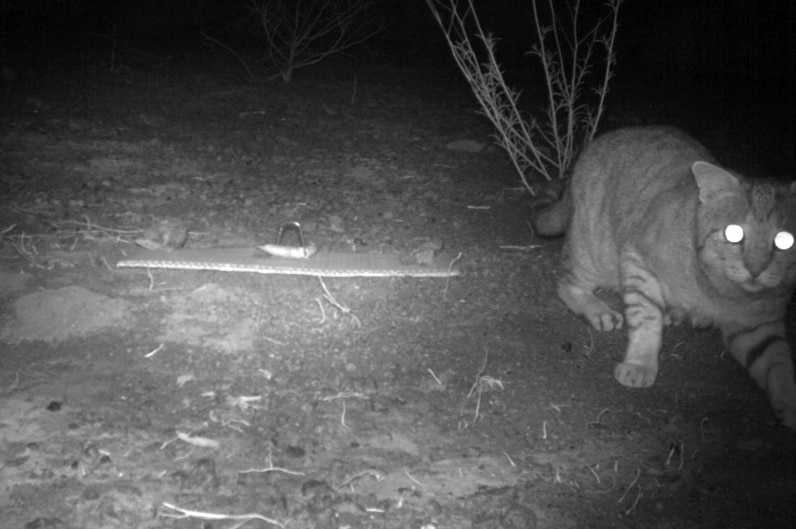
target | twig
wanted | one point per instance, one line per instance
(27, 251)
(638, 475)
(234, 53)
(304, 33)
(344, 310)
(519, 248)
(272, 468)
(342, 415)
(272, 340)
(678, 447)
(344, 395)
(635, 502)
(448, 278)
(606, 491)
(412, 478)
(151, 279)
(480, 372)
(598, 422)
(95, 227)
(154, 351)
(186, 513)
(596, 476)
(480, 381)
(378, 476)
(323, 312)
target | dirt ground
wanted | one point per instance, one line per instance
(167, 398)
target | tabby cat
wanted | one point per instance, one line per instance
(647, 212)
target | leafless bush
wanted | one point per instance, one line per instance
(300, 33)
(569, 57)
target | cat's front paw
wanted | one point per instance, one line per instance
(605, 320)
(582, 301)
(634, 375)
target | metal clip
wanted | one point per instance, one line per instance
(292, 225)
(303, 251)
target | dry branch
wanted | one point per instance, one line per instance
(300, 33)
(568, 56)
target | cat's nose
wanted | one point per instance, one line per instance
(756, 261)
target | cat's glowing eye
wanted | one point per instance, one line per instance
(783, 240)
(733, 233)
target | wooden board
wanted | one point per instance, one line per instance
(323, 263)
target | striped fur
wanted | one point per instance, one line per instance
(645, 214)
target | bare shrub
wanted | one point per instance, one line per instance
(300, 33)
(570, 57)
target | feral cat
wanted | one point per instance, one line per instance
(648, 213)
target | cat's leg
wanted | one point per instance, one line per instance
(578, 295)
(764, 351)
(644, 315)
(582, 276)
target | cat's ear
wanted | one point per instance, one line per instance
(712, 180)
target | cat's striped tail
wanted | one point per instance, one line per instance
(764, 351)
(551, 209)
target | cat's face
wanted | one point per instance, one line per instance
(747, 232)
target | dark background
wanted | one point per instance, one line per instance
(728, 60)
(741, 34)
